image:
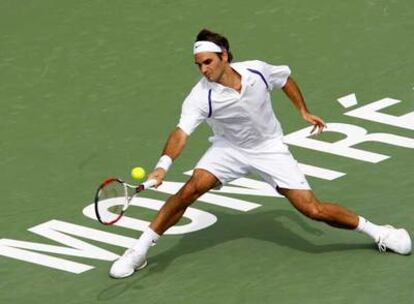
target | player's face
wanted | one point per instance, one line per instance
(210, 65)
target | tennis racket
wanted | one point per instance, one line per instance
(113, 196)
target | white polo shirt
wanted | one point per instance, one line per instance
(244, 119)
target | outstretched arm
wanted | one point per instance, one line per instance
(175, 143)
(172, 149)
(292, 91)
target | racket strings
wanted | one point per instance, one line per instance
(113, 199)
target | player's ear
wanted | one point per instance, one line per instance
(225, 55)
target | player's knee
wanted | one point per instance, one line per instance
(315, 212)
(189, 193)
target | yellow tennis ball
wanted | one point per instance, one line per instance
(138, 173)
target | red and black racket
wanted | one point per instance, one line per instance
(113, 197)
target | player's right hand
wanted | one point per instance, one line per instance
(158, 174)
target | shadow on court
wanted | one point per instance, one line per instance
(265, 226)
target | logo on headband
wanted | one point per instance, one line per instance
(206, 46)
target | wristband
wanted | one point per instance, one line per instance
(164, 162)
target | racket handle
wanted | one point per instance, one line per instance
(149, 183)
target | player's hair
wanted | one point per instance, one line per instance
(221, 41)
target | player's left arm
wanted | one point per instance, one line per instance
(292, 91)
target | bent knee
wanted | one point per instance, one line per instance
(189, 193)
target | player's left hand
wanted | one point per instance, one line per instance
(317, 122)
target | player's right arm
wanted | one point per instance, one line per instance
(194, 111)
(173, 147)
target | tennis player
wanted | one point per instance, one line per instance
(234, 100)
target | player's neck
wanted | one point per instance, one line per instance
(231, 79)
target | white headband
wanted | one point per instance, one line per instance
(206, 46)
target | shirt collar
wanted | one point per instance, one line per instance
(246, 78)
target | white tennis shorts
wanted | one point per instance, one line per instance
(275, 164)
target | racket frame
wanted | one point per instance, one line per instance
(128, 198)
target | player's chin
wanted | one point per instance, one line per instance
(209, 77)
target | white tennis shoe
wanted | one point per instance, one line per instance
(397, 240)
(127, 264)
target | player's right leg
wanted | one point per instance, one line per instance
(135, 258)
(220, 164)
(200, 182)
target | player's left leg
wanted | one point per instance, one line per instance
(397, 240)
(306, 202)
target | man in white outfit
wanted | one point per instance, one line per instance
(234, 99)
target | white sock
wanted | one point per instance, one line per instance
(369, 228)
(147, 239)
